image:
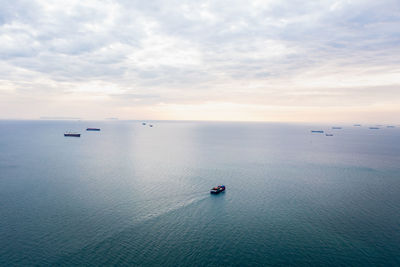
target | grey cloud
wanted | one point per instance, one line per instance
(183, 51)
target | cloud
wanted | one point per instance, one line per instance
(262, 53)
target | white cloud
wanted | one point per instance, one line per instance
(187, 53)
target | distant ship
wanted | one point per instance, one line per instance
(390, 126)
(357, 125)
(336, 128)
(93, 129)
(143, 123)
(317, 131)
(328, 134)
(217, 189)
(374, 128)
(72, 134)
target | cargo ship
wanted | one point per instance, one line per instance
(217, 189)
(93, 129)
(72, 134)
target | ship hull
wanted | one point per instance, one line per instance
(72, 135)
(217, 190)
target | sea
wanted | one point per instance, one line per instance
(134, 195)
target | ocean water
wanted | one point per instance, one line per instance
(135, 195)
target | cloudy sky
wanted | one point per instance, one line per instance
(269, 60)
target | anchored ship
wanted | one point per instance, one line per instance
(72, 134)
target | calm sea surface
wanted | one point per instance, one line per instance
(135, 195)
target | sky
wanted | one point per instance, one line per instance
(270, 60)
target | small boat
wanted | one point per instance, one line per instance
(217, 189)
(143, 123)
(93, 129)
(151, 125)
(328, 134)
(317, 131)
(72, 134)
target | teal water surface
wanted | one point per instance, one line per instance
(135, 195)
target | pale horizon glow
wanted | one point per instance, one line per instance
(289, 61)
